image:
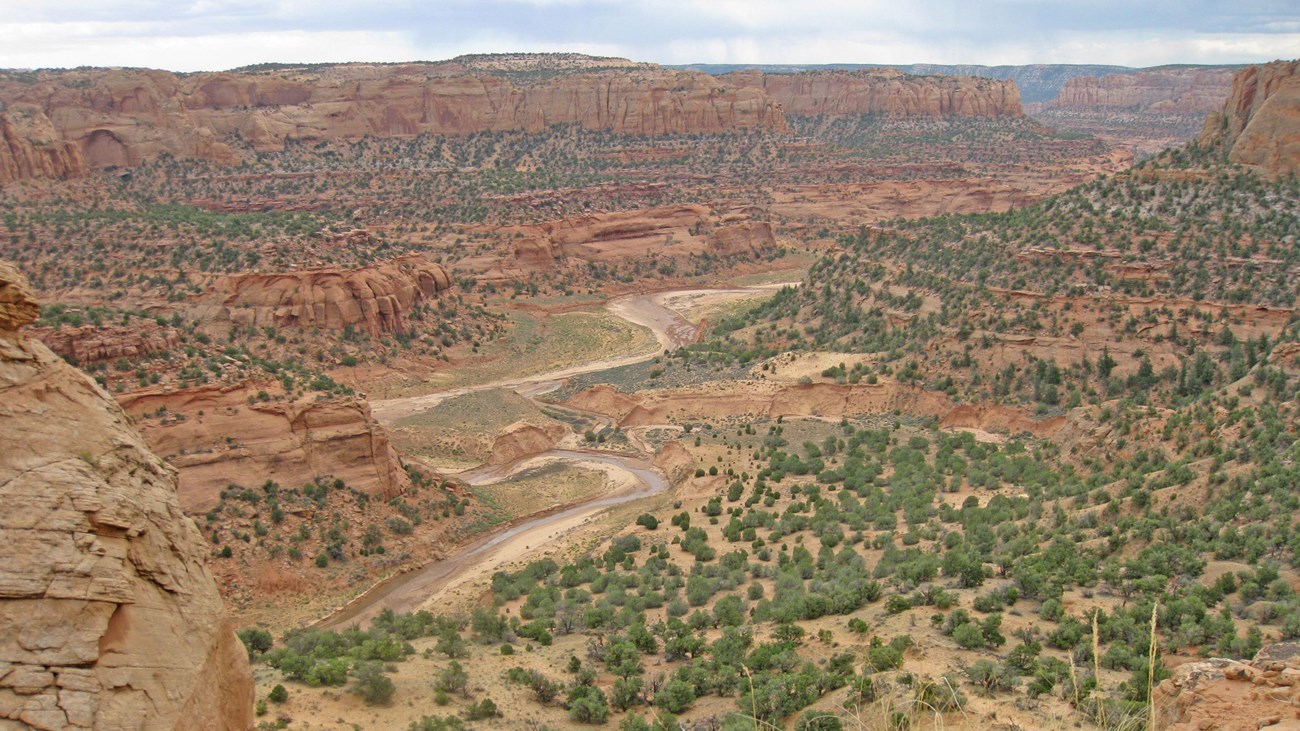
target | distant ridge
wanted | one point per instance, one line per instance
(1037, 82)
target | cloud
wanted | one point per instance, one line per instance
(206, 34)
(88, 45)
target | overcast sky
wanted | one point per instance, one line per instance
(190, 35)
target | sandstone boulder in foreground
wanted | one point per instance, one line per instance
(109, 618)
(1230, 695)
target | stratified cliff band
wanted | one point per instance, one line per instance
(58, 124)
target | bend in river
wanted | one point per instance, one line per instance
(422, 587)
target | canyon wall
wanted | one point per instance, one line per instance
(109, 618)
(96, 118)
(377, 299)
(30, 147)
(884, 91)
(1259, 125)
(1169, 90)
(56, 124)
(88, 344)
(216, 435)
(1144, 111)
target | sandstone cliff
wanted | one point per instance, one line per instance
(215, 435)
(522, 439)
(741, 238)
(90, 344)
(63, 123)
(377, 299)
(1259, 125)
(1170, 90)
(116, 117)
(666, 230)
(109, 618)
(30, 147)
(884, 91)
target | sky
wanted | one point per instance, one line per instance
(196, 35)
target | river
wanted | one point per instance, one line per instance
(425, 586)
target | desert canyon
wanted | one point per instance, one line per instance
(548, 391)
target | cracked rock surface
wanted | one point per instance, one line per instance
(109, 618)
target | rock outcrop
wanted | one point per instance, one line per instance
(377, 299)
(17, 302)
(1229, 695)
(109, 618)
(668, 230)
(31, 148)
(742, 238)
(1168, 90)
(522, 439)
(89, 344)
(1259, 125)
(884, 91)
(215, 435)
(115, 117)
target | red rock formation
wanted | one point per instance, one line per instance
(884, 91)
(1172, 90)
(1233, 696)
(30, 148)
(741, 238)
(109, 618)
(17, 303)
(668, 230)
(376, 299)
(95, 118)
(571, 234)
(214, 436)
(1259, 125)
(122, 117)
(606, 236)
(89, 344)
(522, 439)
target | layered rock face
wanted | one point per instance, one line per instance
(376, 299)
(740, 238)
(1259, 125)
(667, 230)
(884, 91)
(214, 435)
(1173, 90)
(31, 148)
(109, 618)
(522, 439)
(89, 344)
(63, 123)
(122, 117)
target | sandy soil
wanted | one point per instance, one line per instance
(662, 313)
(428, 587)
